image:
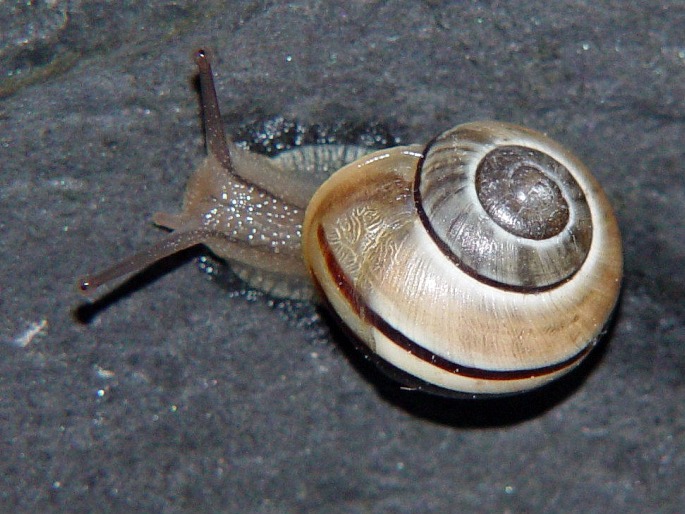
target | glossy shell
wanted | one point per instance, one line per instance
(506, 204)
(406, 294)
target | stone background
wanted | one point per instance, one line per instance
(171, 395)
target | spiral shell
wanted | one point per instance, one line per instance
(502, 203)
(447, 284)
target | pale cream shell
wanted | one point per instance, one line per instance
(386, 278)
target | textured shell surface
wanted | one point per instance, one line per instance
(415, 305)
(507, 203)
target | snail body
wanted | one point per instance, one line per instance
(487, 262)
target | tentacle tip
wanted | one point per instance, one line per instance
(201, 57)
(85, 286)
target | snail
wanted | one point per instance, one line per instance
(486, 262)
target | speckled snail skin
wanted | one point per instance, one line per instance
(487, 262)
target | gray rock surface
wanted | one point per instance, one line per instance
(174, 396)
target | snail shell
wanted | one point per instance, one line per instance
(487, 263)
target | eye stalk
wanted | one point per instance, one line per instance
(188, 236)
(215, 134)
(170, 245)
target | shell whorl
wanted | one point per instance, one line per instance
(505, 204)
